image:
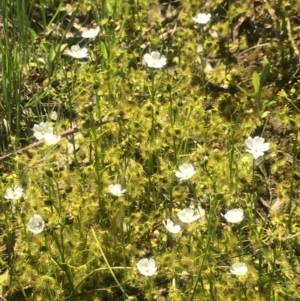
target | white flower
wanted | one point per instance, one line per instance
(77, 52)
(13, 193)
(40, 130)
(155, 59)
(116, 189)
(171, 227)
(36, 224)
(201, 212)
(239, 269)
(45, 131)
(256, 146)
(53, 115)
(51, 138)
(91, 33)
(147, 266)
(234, 216)
(187, 215)
(202, 18)
(185, 172)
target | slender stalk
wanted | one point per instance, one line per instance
(291, 208)
(108, 265)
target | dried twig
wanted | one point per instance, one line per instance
(62, 134)
(289, 30)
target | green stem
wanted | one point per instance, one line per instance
(254, 199)
(108, 265)
(63, 265)
(211, 229)
(291, 192)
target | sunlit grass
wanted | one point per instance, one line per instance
(170, 164)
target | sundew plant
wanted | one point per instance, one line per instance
(149, 150)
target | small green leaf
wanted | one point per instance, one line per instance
(265, 114)
(52, 54)
(104, 51)
(242, 90)
(255, 81)
(264, 74)
(270, 103)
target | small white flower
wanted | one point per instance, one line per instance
(155, 60)
(77, 52)
(53, 115)
(198, 208)
(126, 227)
(40, 130)
(116, 189)
(201, 212)
(202, 18)
(234, 216)
(91, 33)
(208, 69)
(13, 193)
(36, 224)
(171, 227)
(239, 269)
(185, 172)
(256, 146)
(187, 215)
(146, 266)
(51, 138)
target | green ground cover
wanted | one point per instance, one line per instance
(158, 159)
